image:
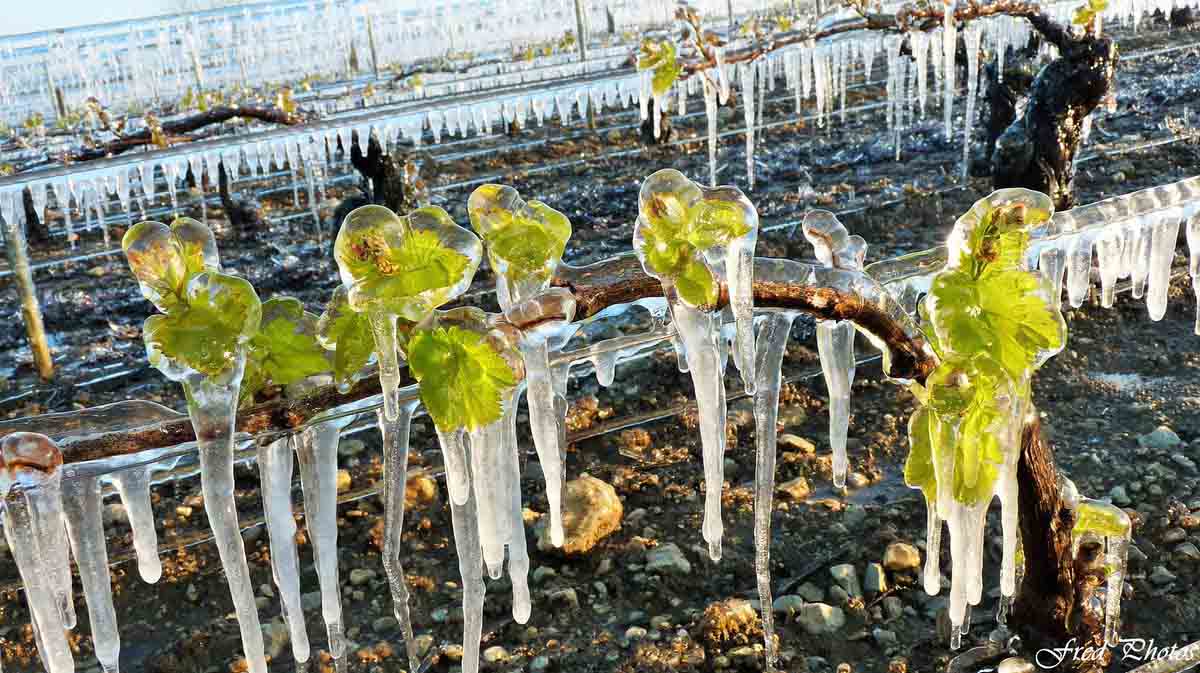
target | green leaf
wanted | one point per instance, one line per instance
(462, 378)
(284, 347)
(919, 471)
(1101, 518)
(348, 333)
(221, 312)
(978, 455)
(523, 239)
(661, 58)
(157, 261)
(404, 266)
(696, 284)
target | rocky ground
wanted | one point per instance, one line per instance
(637, 592)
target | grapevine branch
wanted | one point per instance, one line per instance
(173, 132)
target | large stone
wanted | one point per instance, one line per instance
(730, 622)
(847, 578)
(1163, 438)
(591, 512)
(821, 619)
(667, 559)
(901, 557)
(874, 582)
(796, 489)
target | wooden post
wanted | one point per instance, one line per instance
(581, 38)
(18, 259)
(371, 43)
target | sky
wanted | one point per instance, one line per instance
(24, 16)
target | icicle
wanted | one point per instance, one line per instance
(1113, 526)
(933, 550)
(747, 75)
(37, 580)
(1162, 254)
(212, 406)
(547, 426)
(383, 326)
(698, 332)
(1139, 259)
(722, 76)
(971, 37)
(85, 526)
(470, 567)
(317, 451)
(454, 455)
(133, 485)
(919, 42)
(835, 248)
(771, 346)
(1108, 255)
(710, 112)
(1193, 241)
(1052, 264)
(395, 436)
(605, 365)
(1079, 259)
(949, 46)
(275, 475)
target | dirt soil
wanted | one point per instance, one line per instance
(1120, 377)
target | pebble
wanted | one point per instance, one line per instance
(1162, 438)
(1174, 535)
(893, 607)
(539, 663)
(343, 481)
(821, 619)
(847, 578)
(495, 654)
(453, 652)
(1160, 576)
(1183, 461)
(1119, 496)
(591, 512)
(796, 489)
(811, 592)
(384, 624)
(669, 559)
(901, 556)
(884, 637)
(635, 633)
(542, 573)
(567, 597)
(857, 480)
(351, 447)
(875, 582)
(275, 637)
(1188, 550)
(797, 443)
(788, 605)
(360, 576)
(423, 643)
(440, 615)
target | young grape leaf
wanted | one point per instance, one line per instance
(660, 56)
(523, 239)
(919, 471)
(285, 350)
(348, 333)
(218, 314)
(157, 261)
(462, 378)
(1100, 518)
(680, 223)
(405, 266)
(198, 244)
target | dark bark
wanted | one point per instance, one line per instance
(37, 232)
(647, 128)
(245, 214)
(392, 181)
(1037, 151)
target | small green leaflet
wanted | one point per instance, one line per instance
(674, 237)
(462, 379)
(661, 58)
(283, 351)
(350, 332)
(205, 332)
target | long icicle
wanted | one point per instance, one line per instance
(699, 336)
(771, 346)
(85, 526)
(395, 436)
(547, 427)
(212, 405)
(518, 552)
(133, 485)
(835, 345)
(317, 452)
(470, 567)
(275, 474)
(44, 610)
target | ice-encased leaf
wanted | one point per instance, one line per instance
(157, 261)
(348, 334)
(217, 315)
(405, 266)
(682, 225)
(524, 239)
(198, 244)
(461, 372)
(660, 57)
(285, 349)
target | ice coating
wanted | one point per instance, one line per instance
(545, 323)
(1114, 529)
(395, 437)
(316, 450)
(465, 520)
(770, 348)
(402, 267)
(36, 532)
(85, 526)
(134, 487)
(525, 240)
(836, 248)
(212, 406)
(275, 475)
(966, 436)
(949, 47)
(693, 238)
(748, 73)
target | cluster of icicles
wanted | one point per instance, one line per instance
(1135, 235)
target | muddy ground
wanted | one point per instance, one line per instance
(1120, 377)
